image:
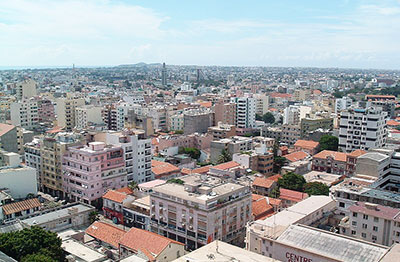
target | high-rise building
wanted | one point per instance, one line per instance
(197, 121)
(342, 104)
(66, 110)
(245, 112)
(164, 75)
(25, 114)
(87, 114)
(224, 112)
(262, 104)
(26, 89)
(200, 210)
(362, 129)
(89, 171)
(137, 154)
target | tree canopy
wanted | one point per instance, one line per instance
(316, 188)
(279, 162)
(32, 245)
(191, 151)
(328, 142)
(292, 181)
(267, 118)
(224, 157)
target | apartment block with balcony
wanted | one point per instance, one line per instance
(362, 129)
(66, 110)
(89, 171)
(200, 210)
(137, 153)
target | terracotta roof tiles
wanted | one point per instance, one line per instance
(115, 196)
(21, 206)
(106, 233)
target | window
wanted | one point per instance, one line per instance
(364, 235)
(364, 226)
(376, 219)
(375, 228)
(354, 214)
(374, 238)
(341, 204)
(354, 223)
(365, 217)
(353, 232)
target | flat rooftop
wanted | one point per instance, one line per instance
(322, 177)
(81, 251)
(331, 245)
(222, 252)
(53, 215)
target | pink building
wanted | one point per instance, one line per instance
(89, 171)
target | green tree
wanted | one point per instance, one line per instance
(178, 132)
(191, 151)
(133, 185)
(328, 142)
(176, 181)
(316, 188)
(224, 157)
(292, 181)
(275, 193)
(259, 117)
(279, 162)
(23, 245)
(268, 118)
(93, 216)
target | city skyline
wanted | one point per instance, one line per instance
(344, 34)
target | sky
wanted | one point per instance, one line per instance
(328, 33)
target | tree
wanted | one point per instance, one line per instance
(275, 193)
(279, 162)
(268, 118)
(133, 185)
(259, 117)
(191, 151)
(328, 142)
(224, 157)
(176, 181)
(316, 188)
(292, 181)
(29, 245)
(178, 132)
(93, 216)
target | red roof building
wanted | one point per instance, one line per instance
(164, 170)
(308, 146)
(106, 233)
(291, 197)
(296, 156)
(263, 186)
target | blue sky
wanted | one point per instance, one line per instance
(330, 33)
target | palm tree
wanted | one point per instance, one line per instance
(93, 216)
(224, 157)
(133, 185)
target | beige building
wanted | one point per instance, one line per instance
(87, 114)
(222, 131)
(26, 89)
(262, 104)
(225, 113)
(235, 144)
(66, 110)
(200, 210)
(25, 114)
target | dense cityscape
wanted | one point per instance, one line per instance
(199, 131)
(158, 162)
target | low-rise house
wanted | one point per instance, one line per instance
(229, 169)
(291, 197)
(263, 186)
(308, 146)
(263, 206)
(113, 205)
(150, 246)
(296, 156)
(19, 209)
(330, 162)
(322, 177)
(164, 170)
(106, 234)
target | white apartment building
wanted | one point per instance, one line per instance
(66, 110)
(87, 114)
(33, 157)
(19, 180)
(176, 122)
(362, 129)
(291, 115)
(245, 112)
(342, 104)
(25, 114)
(262, 104)
(372, 222)
(199, 210)
(137, 154)
(26, 89)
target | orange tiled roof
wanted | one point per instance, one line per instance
(106, 233)
(307, 144)
(338, 156)
(275, 177)
(357, 153)
(139, 239)
(115, 196)
(283, 148)
(263, 182)
(200, 170)
(292, 195)
(205, 104)
(261, 207)
(21, 206)
(160, 168)
(227, 165)
(392, 123)
(272, 201)
(296, 156)
(125, 190)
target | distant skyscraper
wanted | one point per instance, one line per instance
(164, 75)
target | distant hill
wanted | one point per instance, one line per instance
(141, 64)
